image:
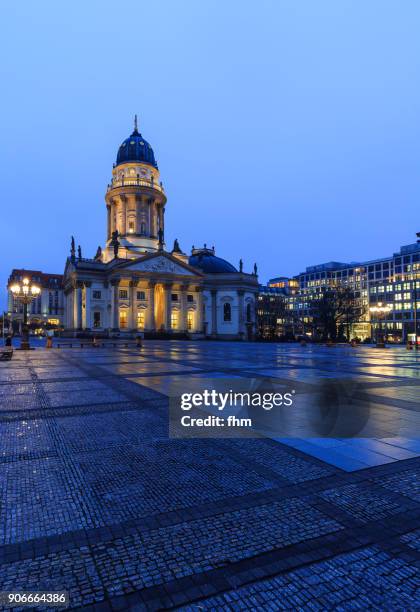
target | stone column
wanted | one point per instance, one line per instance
(112, 217)
(139, 208)
(115, 312)
(77, 306)
(167, 289)
(151, 230)
(132, 319)
(214, 312)
(68, 311)
(108, 224)
(88, 314)
(241, 319)
(123, 205)
(199, 316)
(150, 315)
(183, 323)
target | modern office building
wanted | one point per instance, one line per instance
(274, 320)
(393, 282)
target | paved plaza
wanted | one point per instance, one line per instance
(97, 500)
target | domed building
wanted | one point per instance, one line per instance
(134, 284)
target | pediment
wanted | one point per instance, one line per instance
(160, 263)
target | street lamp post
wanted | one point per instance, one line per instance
(380, 310)
(25, 292)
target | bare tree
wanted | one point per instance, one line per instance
(333, 309)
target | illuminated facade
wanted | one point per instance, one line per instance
(392, 281)
(47, 309)
(134, 284)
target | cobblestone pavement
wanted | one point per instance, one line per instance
(97, 500)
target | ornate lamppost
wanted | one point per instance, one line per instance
(25, 292)
(380, 310)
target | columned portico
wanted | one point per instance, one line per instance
(115, 314)
(214, 312)
(199, 312)
(150, 314)
(241, 314)
(183, 320)
(167, 291)
(77, 306)
(87, 309)
(132, 315)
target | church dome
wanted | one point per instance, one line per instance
(136, 149)
(206, 261)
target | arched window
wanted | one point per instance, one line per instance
(227, 312)
(248, 313)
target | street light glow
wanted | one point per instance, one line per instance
(25, 292)
(380, 308)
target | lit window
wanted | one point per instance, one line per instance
(123, 319)
(174, 320)
(190, 320)
(140, 319)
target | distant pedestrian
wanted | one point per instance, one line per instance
(50, 336)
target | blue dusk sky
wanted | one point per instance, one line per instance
(286, 132)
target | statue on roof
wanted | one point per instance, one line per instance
(79, 252)
(98, 255)
(72, 249)
(115, 242)
(177, 248)
(241, 265)
(160, 236)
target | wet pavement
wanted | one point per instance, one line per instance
(97, 500)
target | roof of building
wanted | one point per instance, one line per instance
(206, 261)
(44, 278)
(136, 149)
(265, 289)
